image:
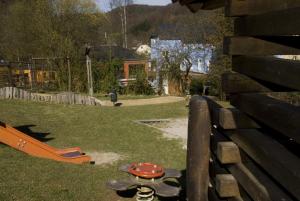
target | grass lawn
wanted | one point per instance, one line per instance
(100, 129)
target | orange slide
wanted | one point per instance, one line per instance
(31, 146)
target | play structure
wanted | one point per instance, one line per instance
(149, 180)
(22, 142)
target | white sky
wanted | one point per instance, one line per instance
(104, 5)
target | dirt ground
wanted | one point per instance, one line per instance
(172, 128)
(149, 101)
(176, 128)
(104, 158)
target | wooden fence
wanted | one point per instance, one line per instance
(251, 151)
(61, 98)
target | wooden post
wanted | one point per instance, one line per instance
(69, 75)
(198, 153)
(10, 79)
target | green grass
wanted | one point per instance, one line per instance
(101, 129)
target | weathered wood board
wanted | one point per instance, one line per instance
(282, 72)
(281, 164)
(278, 23)
(254, 7)
(238, 45)
(274, 113)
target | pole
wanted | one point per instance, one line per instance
(69, 75)
(91, 78)
(10, 79)
(88, 73)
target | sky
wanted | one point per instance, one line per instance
(104, 4)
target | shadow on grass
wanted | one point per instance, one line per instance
(127, 194)
(36, 135)
(118, 104)
(182, 184)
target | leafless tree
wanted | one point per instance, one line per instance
(121, 5)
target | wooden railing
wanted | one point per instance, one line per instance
(250, 151)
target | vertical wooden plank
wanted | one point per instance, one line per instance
(1, 93)
(10, 79)
(198, 153)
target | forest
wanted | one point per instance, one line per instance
(61, 29)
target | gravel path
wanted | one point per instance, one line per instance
(149, 101)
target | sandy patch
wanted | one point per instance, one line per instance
(176, 128)
(104, 158)
(172, 128)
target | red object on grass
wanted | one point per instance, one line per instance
(146, 170)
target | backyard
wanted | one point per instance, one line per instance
(96, 130)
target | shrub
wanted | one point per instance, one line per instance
(196, 86)
(140, 86)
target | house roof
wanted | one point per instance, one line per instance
(102, 53)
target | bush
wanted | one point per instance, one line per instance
(196, 86)
(106, 76)
(140, 86)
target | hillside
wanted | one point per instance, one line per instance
(171, 21)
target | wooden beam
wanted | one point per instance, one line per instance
(232, 118)
(276, 160)
(195, 5)
(233, 83)
(278, 71)
(274, 113)
(255, 46)
(220, 169)
(254, 7)
(228, 153)
(229, 118)
(198, 153)
(227, 186)
(257, 184)
(278, 23)
(254, 187)
(213, 4)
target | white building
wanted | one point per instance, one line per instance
(143, 50)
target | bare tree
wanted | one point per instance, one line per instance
(121, 5)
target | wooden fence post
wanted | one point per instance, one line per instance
(198, 151)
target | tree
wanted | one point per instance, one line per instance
(175, 60)
(51, 29)
(121, 6)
